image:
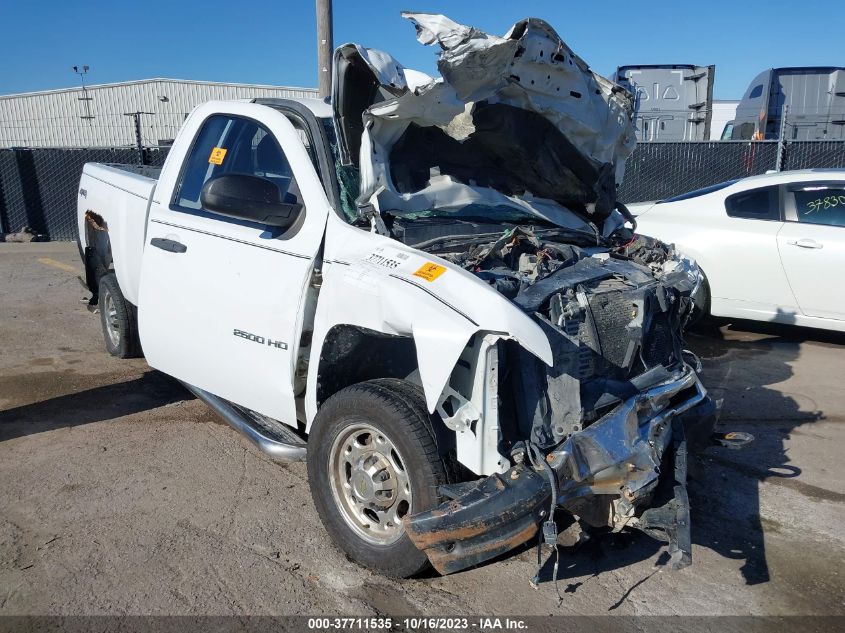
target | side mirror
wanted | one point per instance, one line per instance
(248, 197)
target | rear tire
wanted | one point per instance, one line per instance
(118, 319)
(372, 459)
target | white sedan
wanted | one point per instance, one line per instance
(771, 247)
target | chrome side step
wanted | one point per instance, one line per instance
(289, 448)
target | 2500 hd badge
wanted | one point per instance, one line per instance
(255, 338)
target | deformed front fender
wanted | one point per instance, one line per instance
(373, 282)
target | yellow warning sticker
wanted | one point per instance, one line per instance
(430, 271)
(217, 155)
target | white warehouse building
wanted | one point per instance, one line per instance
(101, 115)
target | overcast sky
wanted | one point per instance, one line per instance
(273, 42)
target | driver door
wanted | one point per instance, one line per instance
(221, 298)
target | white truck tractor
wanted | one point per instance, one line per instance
(431, 280)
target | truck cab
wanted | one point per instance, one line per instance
(804, 103)
(237, 279)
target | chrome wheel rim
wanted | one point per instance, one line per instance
(111, 321)
(370, 484)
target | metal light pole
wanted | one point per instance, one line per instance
(88, 116)
(325, 47)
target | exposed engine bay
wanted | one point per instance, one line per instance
(614, 319)
(614, 313)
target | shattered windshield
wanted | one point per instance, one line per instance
(504, 214)
(348, 176)
(478, 212)
(349, 182)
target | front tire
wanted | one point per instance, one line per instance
(118, 320)
(372, 460)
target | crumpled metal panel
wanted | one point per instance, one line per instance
(528, 71)
(491, 518)
(532, 68)
(619, 457)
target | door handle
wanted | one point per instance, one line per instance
(171, 246)
(806, 243)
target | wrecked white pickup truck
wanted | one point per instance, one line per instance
(432, 280)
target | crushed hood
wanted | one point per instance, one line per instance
(516, 125)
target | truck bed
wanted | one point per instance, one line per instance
(145, 171)
(104, 206)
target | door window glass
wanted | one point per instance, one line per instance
(821, 205)
(742, 132)
(232, 145)
(757, 204)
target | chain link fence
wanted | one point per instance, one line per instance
(38, 186)
(106, 129)
(811, 154)
(659, 170)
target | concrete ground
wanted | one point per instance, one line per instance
(119, 494)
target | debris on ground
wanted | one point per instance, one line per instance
(24, 235)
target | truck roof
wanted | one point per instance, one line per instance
(320, 107)
(809, 69)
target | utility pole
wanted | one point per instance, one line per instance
(325, 47)
(139, 144)
(782, 139)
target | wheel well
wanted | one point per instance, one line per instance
(705, 291)
(353, 354)
(97, 256)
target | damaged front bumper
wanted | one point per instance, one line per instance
(607, 474)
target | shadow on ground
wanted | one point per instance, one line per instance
(149, 391)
